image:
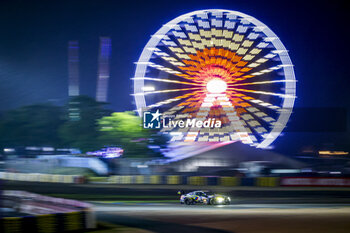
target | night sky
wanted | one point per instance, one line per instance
(34, 37)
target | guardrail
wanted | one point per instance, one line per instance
(228, 181)
(39, 177)
(142, 179)
(47, 214)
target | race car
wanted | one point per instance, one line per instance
(203, 197)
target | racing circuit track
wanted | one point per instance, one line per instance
(253, 210)
(241, 218)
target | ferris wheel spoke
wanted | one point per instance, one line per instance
(171, 100)
(259, 73)
(180, 107)
(160, 67)
(258, 114)
(182, 54)
(256, 73)
(246, 128)
(176, 60)
(218, 38)
(188, 42)
(174, 49)
(166, 91)
(263, 92)
(262, 116)
(167, 80)
(256, 101)
(253, 124)
(186, 46)
(170, 71)
(168, 58)
(243, 44)
(253, 65)
(260, 83)
(212, 36)
(255, 50)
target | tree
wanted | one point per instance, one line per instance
(31, 125)
(125, 129)
(83, 133)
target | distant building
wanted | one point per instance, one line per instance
(103, 69)
(226, 157)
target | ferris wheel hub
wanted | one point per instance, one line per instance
(216, 86)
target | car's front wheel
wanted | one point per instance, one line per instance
(212, 201)
(188, 202)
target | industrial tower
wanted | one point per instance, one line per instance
(73, 79)
(103, 69)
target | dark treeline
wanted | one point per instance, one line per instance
(92, 128)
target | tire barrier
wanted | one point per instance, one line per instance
(39, 177)
(155, 179)
(197, 180)
(175, 180)
(267, 181)
(229, 181)
(47, 214)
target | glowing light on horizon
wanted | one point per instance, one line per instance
(327, 152)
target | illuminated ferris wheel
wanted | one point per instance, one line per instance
(218, 64)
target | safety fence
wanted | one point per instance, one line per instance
(39, 177)
(232, 181)
(228, 181)
(46, 214)
(142, 179)
(195, 180)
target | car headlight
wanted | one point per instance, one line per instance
(220, 199)
(228, 198)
